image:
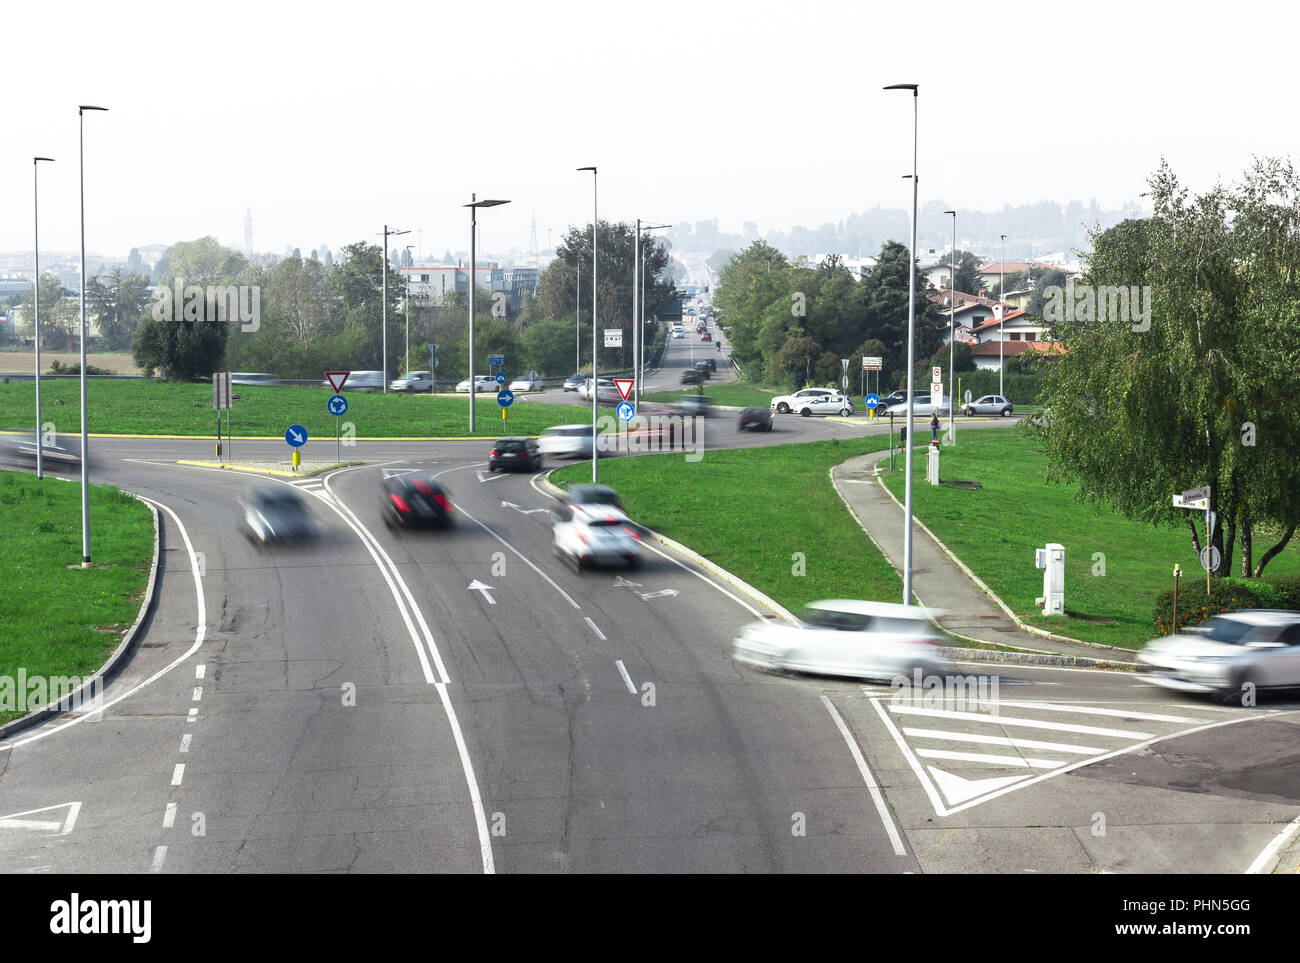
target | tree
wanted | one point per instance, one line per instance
(796, 360)
(884, 293)
(59, 315)
(967, 279)
(1204, 387)
(117, 301)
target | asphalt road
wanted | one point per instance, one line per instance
(357, 706)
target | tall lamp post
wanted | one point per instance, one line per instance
(577, 321)
(911, 356)
(36, 302)
(595, 382)
(638, 285)
(85, 450)
(406, 358)
(1002, 309)
(388, 232)
(473, 205)
(952, 328)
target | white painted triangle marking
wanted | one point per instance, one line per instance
(487, 476)
(60, 826)
(959, 789)
(398, 472)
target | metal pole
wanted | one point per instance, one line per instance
(577, 322)
(473, 227)
(1002, 267)
(36, 304)
(85, 448)
(384, 298)
(952, 330)
(636, 327)
(595, 294)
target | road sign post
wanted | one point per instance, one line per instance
(295, 436)
(505, 398)
(1199, 499)
(220, 402)
(337, 406)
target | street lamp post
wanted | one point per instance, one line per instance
(85, 450)
(911, 356)
(388, 232)
(577, 321)
(1002, 309)
(595, 232)
(640, 311)
(473, 205)
(36, 302)
(952, 328)
(406, 358)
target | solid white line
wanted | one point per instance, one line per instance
(622, 670)
(199, 635)
(1002, 720)
(159, 855)
(480, 818)
(193, 716)
(876, 797)
(178, 774)
(1000, 741)
(1017, 761)
(169, 816)
(594, 628)
(198, 693)
(1264, 858)
(1093, 711)
(185, 742)
(200, 671)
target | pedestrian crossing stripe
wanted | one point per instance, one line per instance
(1015, 740)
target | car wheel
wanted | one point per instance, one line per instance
(783, 408)
(806, 413)
(845, 412)
(1235, 694)
(1006, 412)
(768, 426)
(967, 412)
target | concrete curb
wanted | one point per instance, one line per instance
(711, 567)
(269, 471)
(1028, 629)
(1031, 658)
(124, 649)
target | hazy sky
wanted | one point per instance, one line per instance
(332, 119)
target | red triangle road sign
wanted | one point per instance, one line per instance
(624, 386)
(337, 379)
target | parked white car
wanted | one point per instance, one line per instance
(814, 401)
(481, 383)
(1227, 651)
(594, 534)
(527, 384)
(921, 407)
(868, 640)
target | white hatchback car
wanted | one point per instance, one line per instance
(595, 534)
(814, 401)
(869, 640)
(481, 383)
(566, 441)
(1227, 651)
(528, 383)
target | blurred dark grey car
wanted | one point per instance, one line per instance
(276, 514)
(756, 418)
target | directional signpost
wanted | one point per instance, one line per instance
(626, 411)
(220, 402)
(337, 406)
(505, 398)
(1199, 498)
(295, 436)
(844, 364)
(872, 402)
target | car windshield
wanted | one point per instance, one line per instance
(510, 446)
(1231, 631)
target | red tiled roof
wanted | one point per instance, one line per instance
(1009, 348)
(1016, 315)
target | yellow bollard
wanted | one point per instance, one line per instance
(297, 459)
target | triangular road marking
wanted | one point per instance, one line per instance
(959, 789)
(60, 827)
(398, 472)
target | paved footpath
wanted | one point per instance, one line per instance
(937, 581)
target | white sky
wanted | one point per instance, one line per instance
(332, 119)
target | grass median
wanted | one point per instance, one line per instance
(148, 407)
(1115, 568)
(764, 514)
(740, 394)
(55, 620)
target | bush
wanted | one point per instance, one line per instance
(1226, 595)
(59, 368)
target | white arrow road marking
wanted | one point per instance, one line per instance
(60, 827)
(621, 582)
(490, 476)
(523, 511)
(622, 670)
(664, 593)
(477, 586)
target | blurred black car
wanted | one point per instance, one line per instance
(712, 363)
(276, 514)
(695, 405)
(756, 419)
(703, 368)
(415, 501)
(521, 453)
(692, 376)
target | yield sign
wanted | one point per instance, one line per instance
(341, 377)
(624, 386)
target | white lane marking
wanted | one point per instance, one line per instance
(484, 839)
(661, 594)
(64, 825)
(594, 628)
(193, 716)
(523, 557)
(627, 679)
(198, 693)
(1012, 762)
(1095, 711)
(199, 635)
(523, 511)
(200, 671)
(491, 477)
(485, 590)
(178, 774)
(1001, 741)
(1264, 858)
(169, 816)
(159, 855)
(876, 797)
(185, 742)
(1001, 720)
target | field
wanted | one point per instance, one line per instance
(118, 362)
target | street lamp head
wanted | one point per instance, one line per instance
(592, 169)
(953, 213)
(35, 159)
(912, 87)
(654, 227)
(486, 204)
(85, 107)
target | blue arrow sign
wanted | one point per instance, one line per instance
(505, 397)
(296, 436)
(337, 405)
(871, 401)
(501, 377)
(625, 411)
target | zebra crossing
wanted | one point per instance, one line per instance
(969, 752)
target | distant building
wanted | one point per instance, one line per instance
(431, 283)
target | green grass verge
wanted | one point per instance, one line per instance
(751, 510)
(741, 394)
(995, 529)
(60, 621)
(167, 408)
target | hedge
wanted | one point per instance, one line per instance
(1226, 595)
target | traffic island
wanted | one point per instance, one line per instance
(280, 469)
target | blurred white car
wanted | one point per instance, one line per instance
(413, 381)
(526, 384)
(481, 383)
(566, 441)
(868, 640)
(1258, 646)
(589, 535)
(921, 407)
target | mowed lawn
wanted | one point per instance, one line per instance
(56, 620)
(174, 408)
(995, 529)
(754, 511)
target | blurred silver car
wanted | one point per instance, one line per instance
(920, 407)
(868, 640)
(592, 534)
(276, 513)
(989, 405)
(528, 383)
(413, 381)
(1227, 651)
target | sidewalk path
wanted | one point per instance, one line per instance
(937, 581)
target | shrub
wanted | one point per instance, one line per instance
(1226, 595)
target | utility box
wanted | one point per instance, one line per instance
(932, 465)
(1052, 561)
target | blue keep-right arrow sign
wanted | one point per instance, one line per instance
(296, 436)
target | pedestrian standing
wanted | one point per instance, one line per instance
(934, 426)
